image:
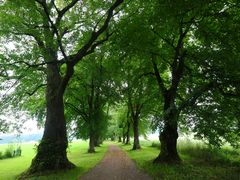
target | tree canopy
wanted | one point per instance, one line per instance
(118, 68)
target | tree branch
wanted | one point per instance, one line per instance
(158, 76)
(171, 44)
(54, 25)
(88, 47)
(82, 52)
(78, 111)
(196, 94)
(64, 10)
(36, 89)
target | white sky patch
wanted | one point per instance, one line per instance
(21, 124)
(25, 123)
(154, 136)
(11, 46)
(30, 127)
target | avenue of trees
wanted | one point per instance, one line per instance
(119, 69)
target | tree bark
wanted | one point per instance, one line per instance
(124, 139)
(97, 141)
(119, 139)
(51, 153)
(168, 140)
(136, 144)
(123, 135)
(169, 134)
(128, 133)
(91, 148)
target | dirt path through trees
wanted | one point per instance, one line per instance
(116, 165)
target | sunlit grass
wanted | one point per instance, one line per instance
(77, 153)
(199, 162)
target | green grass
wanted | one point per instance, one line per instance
(199, 162)
(77, 153)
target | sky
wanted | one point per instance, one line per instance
(30, 127)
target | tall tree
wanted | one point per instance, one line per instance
(186, 82)
(87, 98)
(192, 62)
(137, 93)
(54, 36)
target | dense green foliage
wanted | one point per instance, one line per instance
(11, 151)
(118, 69)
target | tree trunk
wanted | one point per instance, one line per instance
(127, 139)
(123, 135)
(51, 152)
(97, 141)
(124, 139)
(136, 144)
(128, 133)
(169, 135)
(91, 148)
(119, 139)
(168, 140)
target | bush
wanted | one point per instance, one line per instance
(156, 145)
(202, 152)
(9, 152)
(1, 155)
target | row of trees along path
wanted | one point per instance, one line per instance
(183, 56)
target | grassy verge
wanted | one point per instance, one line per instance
(199, 162)
(77, 153)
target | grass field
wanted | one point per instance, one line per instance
(77, 153)
(199, 162)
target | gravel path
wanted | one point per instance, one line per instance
(116, 165)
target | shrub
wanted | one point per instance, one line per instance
(202, 152)
(155, 144)
(18, 151)
(9, 152)
(1, 155)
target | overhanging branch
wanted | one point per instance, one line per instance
(36, 89)
(196, 94)
(88, 47)
(158, 76)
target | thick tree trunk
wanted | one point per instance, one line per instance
(168, 140)
(136, 144)
(169, 136)
(91, 148)
(51, 152)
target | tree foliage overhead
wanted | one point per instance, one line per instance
(194, 58)
(175, 63)
(51, 38)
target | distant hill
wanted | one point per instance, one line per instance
(9, 138)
